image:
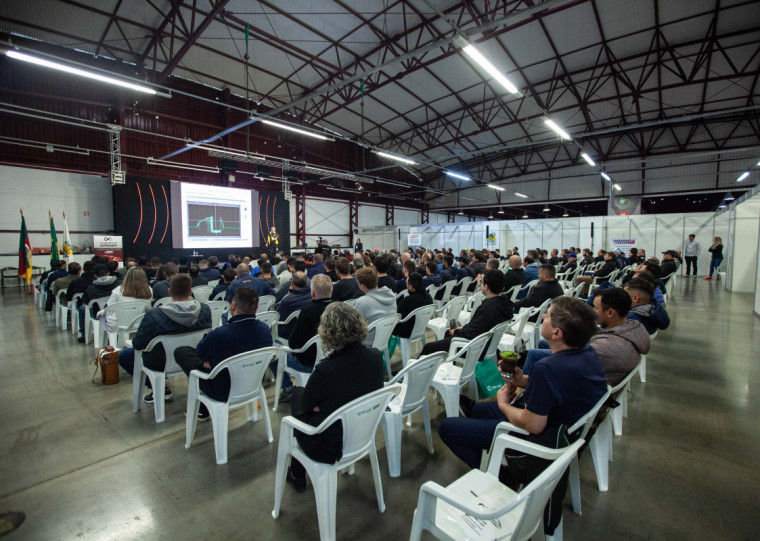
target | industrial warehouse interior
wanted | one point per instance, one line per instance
(153, 152)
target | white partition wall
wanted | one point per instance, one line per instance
(746, 235)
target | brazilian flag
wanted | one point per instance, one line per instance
(55, 252)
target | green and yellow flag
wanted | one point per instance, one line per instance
(24, 253)
(55, 252)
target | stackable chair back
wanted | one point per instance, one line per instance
(281, 323)
(162, 301)
(125, 312)
(213, 283)
(270, 319)
(449, 312)
(265, 303)
(94, 326)
(246, 389)
(620, 393)
(472, 288)
(359, 419)
(525, 287)
(282, 365)
(170, 342)
(219, 296)
(459, 511)
(472, 304)
(61, 310)
(417, 378)
(381, 330)
(493, 344)
(433, 290)
(464, 285)
(421, 317)
(74, 313)
(401, 294)
(202, 293)
(643, 362)
(124, 334)
(532, 330)
(447, 287)
(217, 309)
(449, 378)
(512, 340)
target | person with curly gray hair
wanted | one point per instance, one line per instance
(348, 371)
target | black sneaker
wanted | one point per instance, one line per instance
(286, 395)
(298, 484)
(81, 340)
(203, 415)
(168, 396)
(465, 405)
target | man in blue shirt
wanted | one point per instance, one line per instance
(570, 382)
(242, 333)
(245, 279)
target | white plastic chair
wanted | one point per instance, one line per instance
(440, 324)
(512, 340)
(532, 330)
(473, 303)
(401, 294)
(246, 389)
(282, 366)
(202, 293)
(265, 303)
(620, 393)
(218, 308)
(359, 419)
(464, 285)
(525, 287)
(479, 506)
(421, 317)
(270, 319)
(493, 344)
(447, 287)
(287, 321)
(219, 296)
(643, 361)
(124, 334)
(433, 291)
(449, 378)
(417, 378)
(213, 283)
(61, 310)
(74, 313)
(157, 378)
(382, 329)
(94, 326)
(125, 312)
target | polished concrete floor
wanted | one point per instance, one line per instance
(82, 465)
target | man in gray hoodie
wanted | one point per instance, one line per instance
(375, 303)
(179, 316)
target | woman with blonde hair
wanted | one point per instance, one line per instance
(134, 287)
(717, 257)
(348, 371)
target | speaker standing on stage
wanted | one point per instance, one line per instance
(273, 240)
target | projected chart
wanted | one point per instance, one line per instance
(213, 220)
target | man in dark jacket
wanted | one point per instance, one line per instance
(81, 284)
(99, 288)
(571, 263)
(243, 332)
(417, 298)
(330, 270)
(227, 278)
(645, 307)
(515, 276)
(493, 310)
(179, 316)
(317, 268)
(382, 266)
(298, 297)
(610, 265)
(546, 288)
(209, 272)
(195, 276)
(431, 278)
(161, 289)
(669, 264)
(448, 272)
(58, 272)
(259, 285)
(347, 287)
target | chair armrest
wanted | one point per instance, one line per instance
(507, 441)
(307, 429)
(303, 348)
(456, 345)
(470, 507)
(506, 427)
(199, 374)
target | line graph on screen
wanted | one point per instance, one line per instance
(213, 220)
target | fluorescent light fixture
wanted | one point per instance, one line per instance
(721, 206)
(495, 187)
(501, 212)
(518, 194)
(343, 190)
(559, 131)
(461, 213)
(296, 130)
(588, 159)
(565, 214)
(481, 60)
(617, 187)
(729, 197)
(605, 176)
(525, 216)
(742, 176)
(225, 151)
(397, 158)
(179, 165)
(546, 209)
(457, 175)
(76, 71)
(490, 216)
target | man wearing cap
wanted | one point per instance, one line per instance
(669, 264)
(691, 252)
(571, 263)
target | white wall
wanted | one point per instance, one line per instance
(36, 191)
(745, 249)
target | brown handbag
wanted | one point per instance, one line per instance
(108, 361)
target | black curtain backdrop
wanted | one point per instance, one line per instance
(274, 210)
(142, 215)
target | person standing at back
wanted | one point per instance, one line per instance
(691, 252)
(717, 257)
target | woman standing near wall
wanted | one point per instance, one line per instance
(717, 257)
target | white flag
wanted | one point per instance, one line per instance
(67, 251)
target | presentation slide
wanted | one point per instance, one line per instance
(211, 216)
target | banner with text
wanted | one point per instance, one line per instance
(623, 244)
(109, 246)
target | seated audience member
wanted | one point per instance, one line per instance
(155, 263)
(134, 287)
(479, 263)
(266, 275)
(59, 271)
(561, 389)
(554, 259)
(161, 288)
(330, 269)
(395, 269)
(600, 256)
(571, 263)
(298, 266)
(382, 264)
(491, 264)
(304, 330)
(546, 288)
(431, 278)
(244, 279)
(610, 265)
(633, 256)
(286, 274)
(318, 266)
(209, 268)
(346, 288)
(409, 268)
(493, 310)
(669, 263)
(376, 302)
(349, 371)
(530, 266)
(298, 296)
(101, 287)
(515, 276)
(242, 333)
(195, 276)
(645, 308)
(587, 258)
(619, 342)
(256, 271)
(465, 270)
(179, 316)
(75, 270)
(80, 284)
(417, 298)
(228, 276)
